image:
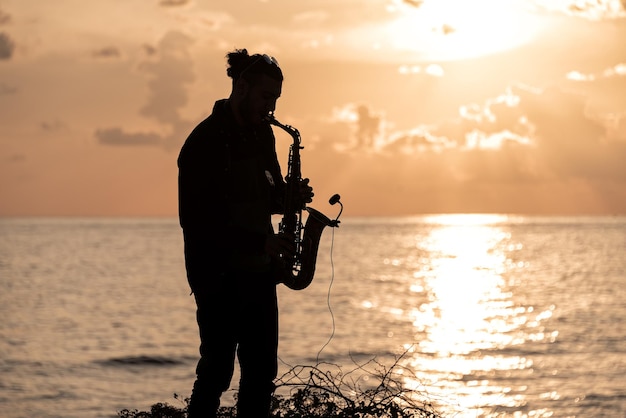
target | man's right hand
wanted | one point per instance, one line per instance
(280, 246)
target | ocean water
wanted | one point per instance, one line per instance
(482, 315)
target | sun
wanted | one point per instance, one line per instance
(460, 29)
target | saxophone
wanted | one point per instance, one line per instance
(297, 273)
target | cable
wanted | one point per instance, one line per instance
(330, 285)
(330, 309)
(333, 224)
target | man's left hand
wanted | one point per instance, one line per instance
(306, 191)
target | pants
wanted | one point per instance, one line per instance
(237, 315)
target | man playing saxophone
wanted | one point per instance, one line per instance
(230, 183)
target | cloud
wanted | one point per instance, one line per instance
(526, 149)
(572, 141)
(15, 158)
(6, 89)
(498, 115)
(173, 3)
(366, 127)
(369, 125)
(578, 76)
(417, 140)
(7, 46)
(414, 3)
(618, 70)
(149, 49)
(4, 18)
(168, 75)
(616, 126)
(493, 125)
(434, 70)
(523, 135)
(551, 132)
(53, 126)
(496, 123)
(169, 69)
(116, 136)
(107, 52)
(588, 9)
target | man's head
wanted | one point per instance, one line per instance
(257, 85)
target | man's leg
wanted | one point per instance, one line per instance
(217, 353)
(258, 347)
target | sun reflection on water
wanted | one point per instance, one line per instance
(469, 315)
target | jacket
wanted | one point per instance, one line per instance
(229, 185)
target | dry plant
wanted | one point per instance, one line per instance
(368, 390)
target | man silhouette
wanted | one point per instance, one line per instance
(230, 183)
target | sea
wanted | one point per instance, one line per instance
(478, 315)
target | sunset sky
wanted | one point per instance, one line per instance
(404, 107)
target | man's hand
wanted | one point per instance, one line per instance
(280, 246)
(281, 249)
(305, 191)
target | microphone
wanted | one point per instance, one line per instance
(334, 200)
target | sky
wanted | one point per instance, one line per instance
(404, 107)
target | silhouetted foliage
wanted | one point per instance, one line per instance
(158, 410)
(325, 391)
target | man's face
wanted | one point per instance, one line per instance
(260, 99)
